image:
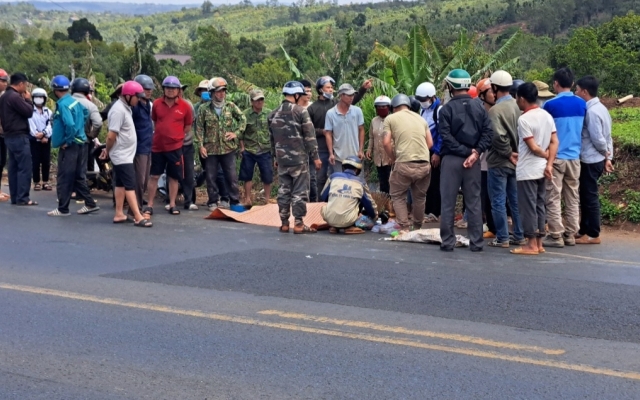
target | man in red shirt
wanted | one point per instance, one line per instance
(173, 118)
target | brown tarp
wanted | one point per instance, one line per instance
(268, 215)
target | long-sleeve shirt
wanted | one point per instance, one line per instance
(41, 122)
(376, 134)
(94, 123)
(596, 133)
(212, 128)
(15, 112)
(464, 125)
(504, 119)
(428, 115)
(293, 140)
(345, 194)
(256, 135)
(68, 122)
(568, 111)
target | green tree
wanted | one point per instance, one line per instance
(360, 20)
(213, 41)
(207, 7)
(251, 50)
(79, 29)
(294, 13)
(270, 73)
(7, 37)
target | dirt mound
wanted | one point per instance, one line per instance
(611, 102)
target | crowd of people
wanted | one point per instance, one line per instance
(520, 154)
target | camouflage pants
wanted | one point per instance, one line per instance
(293, 192)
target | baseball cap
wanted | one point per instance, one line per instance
(347, 89)
(543, 90)
(256, 94)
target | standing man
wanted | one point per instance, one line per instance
(255, 147)
(121, 148)
(15, 110)
(407, 141)
(219, 124)
(4, 82)
(188, 157)
(537, 150)
(595, 158)
(430, 106)
(40, 125)
(173, 118)
(376, 151)
(305, 101)
(488, 100)
(568, 112)
(317, 113)
(344, 129)
(502, 159)
(293, 142)
(466, 133)
(69, 136)
(141, 114)
(81, 91)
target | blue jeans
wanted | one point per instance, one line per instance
(20, 167)
(503, 187)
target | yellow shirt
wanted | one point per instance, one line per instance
(409, 134)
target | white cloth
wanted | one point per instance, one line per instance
(120, 121)
(40, 122)
(345, 128)
(537, 125)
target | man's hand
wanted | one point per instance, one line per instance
(332, 159)
(241, 153)
(514, 158)
(275, 164)
(435, 161)
(368, 84)
(230, 136)
(44, 140)
(203, 152)
(26, 95)
(318, 164)
(39, 135)
(608, 167)
(104, 154)
(548, 172)
(368, 155)
(468, 163)
(360, 155)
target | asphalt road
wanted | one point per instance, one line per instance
(200, 309)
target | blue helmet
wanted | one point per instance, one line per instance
(60, 82)
(352, 161)
(293, 88)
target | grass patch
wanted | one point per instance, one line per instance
(626, 128)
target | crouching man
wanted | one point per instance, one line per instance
(347, 195)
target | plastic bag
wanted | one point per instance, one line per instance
(364, 222)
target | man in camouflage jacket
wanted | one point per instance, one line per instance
(218, 125)
(293, 141)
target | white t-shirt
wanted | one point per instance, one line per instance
(121, 122)
(537, 125)
(345, 128)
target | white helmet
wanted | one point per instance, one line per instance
(425, 89)
(382, 101)
(501, 78)
(39, 92)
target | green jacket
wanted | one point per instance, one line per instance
(256, 134)
(213, 128)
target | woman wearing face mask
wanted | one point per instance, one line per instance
(376, 149)
(40, 126)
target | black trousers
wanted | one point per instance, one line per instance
(40, 160)
(188, 154)
(589, 199)
(226, 163)
(72, 164)
(3, 156)
(486, 203)
(90, 158)
(223, 192)
(434, 200)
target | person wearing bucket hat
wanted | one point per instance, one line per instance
(544, 93)
(466, 132)
(173, 118)
(255, 147)
(344, 129)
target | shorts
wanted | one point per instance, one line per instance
(125, 176)
(169, 161)
(265, 165)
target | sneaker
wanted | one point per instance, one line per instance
(587, 240)
(489, 235)
(193, 207)
(512, 240)
(462, 224)
(88, 210)
(212, 207)
(430, 218)
(497, 243)
(57, 213)
(569, 240)
(550, 241)
(224, 204)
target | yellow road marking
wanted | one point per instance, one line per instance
(593, 258)
(399, 329)
(300, 328)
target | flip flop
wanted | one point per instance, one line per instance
(541, 251)
(4, 197)
(124, 221)
(298, 230)
(47, 187)
(147, 210)
(333, 230)
(37, 187)
(173, 211)
(523, 252)
(284, 229)
(353, 231)
(29, 203)
(143, 223)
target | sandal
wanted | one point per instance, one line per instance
(284, 229)
(303, 229)
(523, 252)
(4, 197)
(37, 187)
(174, 211)
(29, 203)
(147, 210)
(124, 221)
(47, 187)
(541, 251)
(333, 230)
(353, 231)
(143, 223)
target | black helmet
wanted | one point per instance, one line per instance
(145, 81)
(80, 85)
(400, 100)
(323, 81)
(415, 104)
(514, 87)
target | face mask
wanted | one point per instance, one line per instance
(426, 104)
(38, 101)
(328, 96)
(382, 112)
(205, 96)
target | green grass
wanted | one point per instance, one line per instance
(626, 128)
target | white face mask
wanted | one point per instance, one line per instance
(426, 104)
(38, 101)
(328, 96)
